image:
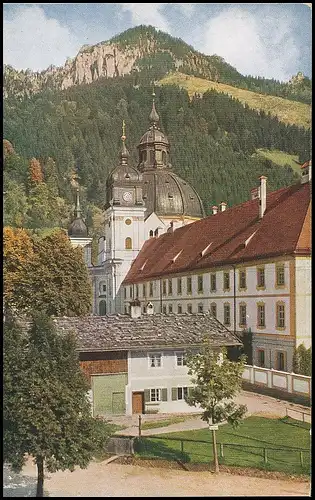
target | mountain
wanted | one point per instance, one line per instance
(61, 127)
(149, 55)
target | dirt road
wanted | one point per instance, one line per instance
(101, 480)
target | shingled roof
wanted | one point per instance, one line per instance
(235, 235)
(121, 332)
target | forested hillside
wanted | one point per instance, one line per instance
(55, 136)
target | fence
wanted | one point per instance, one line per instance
(286, 459)
(275, 379)
(306, 417)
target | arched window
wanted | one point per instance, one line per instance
(151, 233)
(102, 308)
(156, 232)
(144, 156)
(152, 157)
(164, 157)
(128, 243)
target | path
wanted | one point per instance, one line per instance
(257, 404)
(101, 480)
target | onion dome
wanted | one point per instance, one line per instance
(77, 228)
(123, 171)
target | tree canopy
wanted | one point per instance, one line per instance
(45, 273)
(47, 413)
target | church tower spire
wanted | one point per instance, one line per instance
(154, 117)
(124, 154)
(78, 211)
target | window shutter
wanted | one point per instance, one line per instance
(164, 394)
(174, 393)
(146, 395)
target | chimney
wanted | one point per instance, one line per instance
(306, 171)
(214, 209)
(150, 308)
(254, 193)
(135, 309)
(263, 196)
(222, 206)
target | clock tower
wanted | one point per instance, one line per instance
(124, 228)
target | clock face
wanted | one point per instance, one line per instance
(127, 196)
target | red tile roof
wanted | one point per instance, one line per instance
(287, 217)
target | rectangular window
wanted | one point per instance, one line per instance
(242, 279)
(213, 309)
(280, 316)
(104, 288)
(180, 359)
(179, 309)
(125, 292)
(227, 314)
(144, 290)
(226, 281)
(137, 291)
(155, 360)
(213, 282)
(170, 308)
(261, 358)
(170, 287)
(189, 286)
(200, 284)
(179, 286)
(131, 291)
(261, 277)
(164, 309)
(126, 309)
(151, 289)
(280, 275)
(243, 315)
(200, 308)
(164, 287)
(261, 316)
(182, 392)
(155, 395)
(189, 308)
(280, 361)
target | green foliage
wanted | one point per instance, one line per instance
(45, 274)
(302, 360)
(216, 381)
(47, 413)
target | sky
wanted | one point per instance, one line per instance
(272, 40)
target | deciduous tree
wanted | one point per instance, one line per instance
(47, 413)
(216, 381)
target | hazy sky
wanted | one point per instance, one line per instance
(270, 40)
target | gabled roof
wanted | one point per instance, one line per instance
(121, 332)
(237, 235)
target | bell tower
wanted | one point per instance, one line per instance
(124, 226)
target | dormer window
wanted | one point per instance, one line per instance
(170, 195)
(127, 176)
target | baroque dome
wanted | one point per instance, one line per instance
(77, 228)
(166, 194)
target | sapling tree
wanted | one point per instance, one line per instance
(216, 381)
(47, 414)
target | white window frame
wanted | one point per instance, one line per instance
(184, 392)
(155, 355)
(157, 395)
(180, 355)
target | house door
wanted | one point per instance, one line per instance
(137, 402)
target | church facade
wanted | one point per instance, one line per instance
(142, 202)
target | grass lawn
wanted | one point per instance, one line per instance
(163, 423)
(291, 112)
(252, 436)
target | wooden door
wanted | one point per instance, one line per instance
(137, 402)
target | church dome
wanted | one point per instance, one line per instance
(166, 194)
(78, 228)
(153, 135)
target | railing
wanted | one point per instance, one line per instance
(287, 459)
(276, 379)
(304, 413)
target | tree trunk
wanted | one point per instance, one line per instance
(40, 477)
(215, 452)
